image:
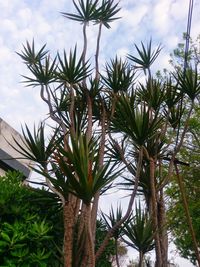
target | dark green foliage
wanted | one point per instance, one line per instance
(30, 56)
(111, 219)
(86, 11)
(30, 225)
(176, 214)
(189, 83)
(119, 76)
(107, 11)
(140, 231)
(134, 121)
(82, 158)
(72, 70)
(105, 259)
(35, 147)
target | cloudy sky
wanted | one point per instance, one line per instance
(162, 20)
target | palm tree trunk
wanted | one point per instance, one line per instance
(141, 256)
(154, 213)
(85, 43)
(89, 258)
(97, 53)
(116, 253)
(162, 229)
(101, 159)
(68, 233)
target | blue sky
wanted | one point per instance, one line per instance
(162, 20)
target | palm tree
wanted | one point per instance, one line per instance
(72, 161)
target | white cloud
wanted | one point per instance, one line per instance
(133, 17)
(161, 17)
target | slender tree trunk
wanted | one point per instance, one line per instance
(162, 229)
(97, 53)
(154, 213)
(141, 257)
(116, 253)
(101, 159)
(89, 257)
(90, 124)
(68, 233)
(85, 43)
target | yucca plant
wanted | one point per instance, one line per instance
(110, 221)
(139, 232)
(134, 121)
(118, 77)
(146, 57)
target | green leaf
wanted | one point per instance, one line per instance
(71, 70)
(146, 56)
(6, 237)
(86, 11)
(119, 76)
(30, 56)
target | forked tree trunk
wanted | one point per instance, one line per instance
(89, 253)
(68, 233)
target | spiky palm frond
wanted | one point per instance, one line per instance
(134, 121)
(172, 93)
(72, 70)
(119, 76)
(146, 56)
(30, 56)
(44, 72)
(62, 102)
(153, 93)
(33, 146)
(128, 182)
(140, 231)
(80, 165)
(59, 181)
(86, 11)
(188, 82)
(107, 12)
(174, 115)
(116, 151)
(111, 219)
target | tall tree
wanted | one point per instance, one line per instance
(106, 121)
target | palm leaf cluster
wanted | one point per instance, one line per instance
(140, 232)
(94, 11)
(80, 165)
(134, 121)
